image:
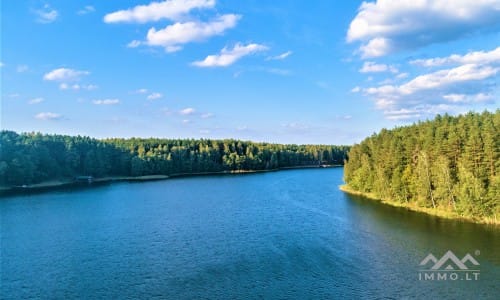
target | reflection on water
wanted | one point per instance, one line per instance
(280, 235)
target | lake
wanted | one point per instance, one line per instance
(279, 235)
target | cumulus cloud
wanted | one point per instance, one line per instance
(187, 111)
(36, 100)
(372, 67)
(154, 96)
(435, 92)
(64, 74)
(229, 56)
(47, 116)
(106, 101)
(438, 79)
(46, 15)
(174, 36)
(476, 57)
(282, 56)
(86, 10)
(386, 26)
(155, 11)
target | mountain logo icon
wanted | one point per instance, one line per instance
(449, 261)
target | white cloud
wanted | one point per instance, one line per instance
(464, 98)
(174, 36)
(438, 79)
(229, 56)
(64, 74)
(436, 92)
(186, 121)
(376, 47)
(476, 57)
(419, 111)
(46, 15)
(1, 64)
(402, 75)
(22, 68)
(134, 44)
(154, 96)
(106, 102)
(155, 11)
(281, 56)
(36, 100)
(141, 91)
(372, 67)
(46, 116)
(403, 114)
(442, 78)
(454, 97)
(470, 84)
(86, 10)
(386, 26)
(355, 89)
(187, 111)
(77, 87)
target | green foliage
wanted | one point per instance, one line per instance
(33, 157)
(451, 163)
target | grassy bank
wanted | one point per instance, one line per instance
(427, 210)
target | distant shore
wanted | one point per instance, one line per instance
(68, 182)
(430, 211)
(57, 183)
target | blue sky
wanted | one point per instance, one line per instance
(330, 72)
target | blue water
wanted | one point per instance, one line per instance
(281, 235)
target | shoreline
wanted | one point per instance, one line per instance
(59, 183)
(425, 210)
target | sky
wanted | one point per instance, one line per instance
(305, 72)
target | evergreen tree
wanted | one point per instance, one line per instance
(449, 163)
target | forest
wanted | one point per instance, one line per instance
(449, 163)
(29, 158)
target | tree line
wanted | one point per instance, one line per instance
(34, 157)
(449, 163)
